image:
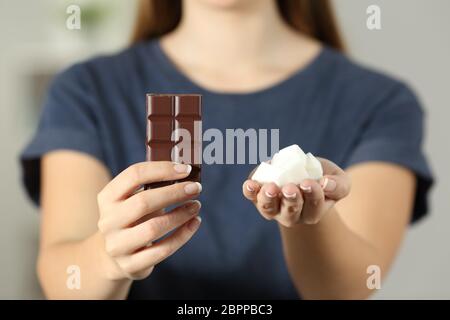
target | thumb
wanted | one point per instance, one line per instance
(336, 187)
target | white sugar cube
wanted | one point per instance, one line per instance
(289, 165)
(288, 157)
(313, 167)
(293, 175)
(266, 173)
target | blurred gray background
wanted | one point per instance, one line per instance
(413, 44)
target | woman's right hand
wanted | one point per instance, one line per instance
(131, 221)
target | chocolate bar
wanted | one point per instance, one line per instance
(174, 132)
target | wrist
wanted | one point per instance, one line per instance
(107, 268)
(105, 273)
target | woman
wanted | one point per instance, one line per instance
(260, 64)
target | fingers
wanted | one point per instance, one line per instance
(129, 240)
(336, 182)
(268, 200)
(125, 183)
(130, 220)
(250, 190)
(336, 187)
(149, 201)
(291, 205)
(147, 217)
(308, 204)
(148, 257)
(313, 201)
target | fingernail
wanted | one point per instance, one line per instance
(329, 185)
(270, 194)
(249, 188)
(194, 223)
(306, 189)
(194, 206)
(193, 188)
(324, 182)
(289, 195)
(182, 168)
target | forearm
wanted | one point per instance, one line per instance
(328, 260)
(92, 262)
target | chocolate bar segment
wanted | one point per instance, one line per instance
(174, 132)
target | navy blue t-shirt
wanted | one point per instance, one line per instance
(333, 108)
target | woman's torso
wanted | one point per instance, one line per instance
(236, 253)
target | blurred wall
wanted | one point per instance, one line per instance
(35, 43)
(412, 44)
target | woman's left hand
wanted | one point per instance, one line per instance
(305, 203)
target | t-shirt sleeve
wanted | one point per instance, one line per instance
(68, 121)
(394, 134)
